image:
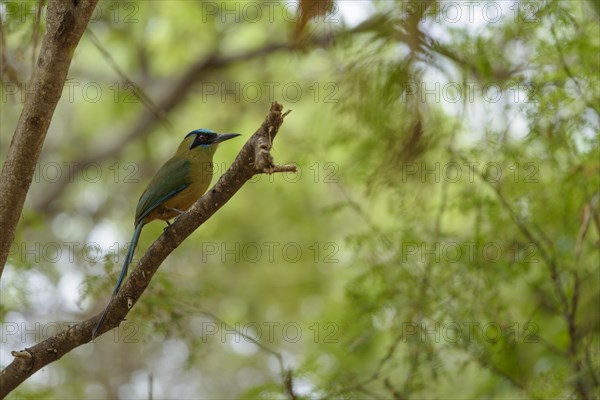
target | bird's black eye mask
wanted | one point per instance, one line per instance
(202, 139)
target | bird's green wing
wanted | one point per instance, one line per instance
(171, 178)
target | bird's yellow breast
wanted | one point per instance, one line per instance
(201, 176)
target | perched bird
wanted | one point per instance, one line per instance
(176, 186)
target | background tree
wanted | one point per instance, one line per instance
(439, 239)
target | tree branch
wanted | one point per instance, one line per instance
(254, 158)
(66, 22)
(287, 377)
(568, 310)
(176, 93)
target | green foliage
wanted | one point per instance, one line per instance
(448, 242)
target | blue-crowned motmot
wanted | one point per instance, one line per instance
(175, 187)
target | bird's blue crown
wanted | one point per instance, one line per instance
(203, 137)
(200, 131)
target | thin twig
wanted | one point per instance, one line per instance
(7, 70)
(241, 170)
(286, 374)
(563, 62)
(175, 95)
(136, 90)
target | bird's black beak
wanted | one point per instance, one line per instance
(223, 137)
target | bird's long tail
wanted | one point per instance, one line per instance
(128, 257)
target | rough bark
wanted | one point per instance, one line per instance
(254, 158)
(66, 22)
